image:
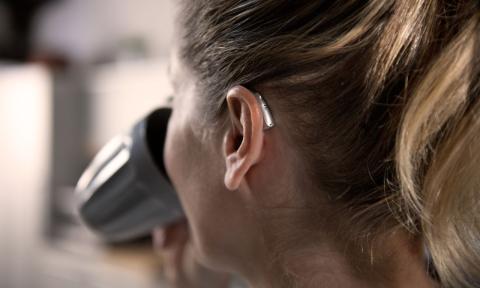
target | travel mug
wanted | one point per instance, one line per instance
(125, 191)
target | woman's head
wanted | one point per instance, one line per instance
(377, 111)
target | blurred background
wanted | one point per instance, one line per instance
(73, 73)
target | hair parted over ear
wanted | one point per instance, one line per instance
(383, 99)
(243, 140)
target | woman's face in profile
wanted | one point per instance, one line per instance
(194, 159)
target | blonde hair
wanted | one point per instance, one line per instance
(443, 189)
(384, 97)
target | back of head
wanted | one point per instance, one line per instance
(384, 102)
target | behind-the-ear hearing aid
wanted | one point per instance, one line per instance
(125, 192)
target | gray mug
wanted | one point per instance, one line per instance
(125, 191)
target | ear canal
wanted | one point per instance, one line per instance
(237, 142)
(233, 141)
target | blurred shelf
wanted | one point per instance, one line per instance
(76, 258)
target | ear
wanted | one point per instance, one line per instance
(243, 141)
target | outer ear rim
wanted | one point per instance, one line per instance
(239, 161)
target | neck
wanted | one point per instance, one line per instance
(326, 266)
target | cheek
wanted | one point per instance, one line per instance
(197, 176)
(186, 163)
(176, 154)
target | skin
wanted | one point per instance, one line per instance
(232, 182)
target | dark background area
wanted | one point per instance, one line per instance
(21, 14)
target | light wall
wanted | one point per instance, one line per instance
(122, 94)
(84, 30)
(25, 132)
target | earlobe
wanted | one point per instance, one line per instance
(243, 141)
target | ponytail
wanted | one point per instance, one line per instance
(438, 160)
